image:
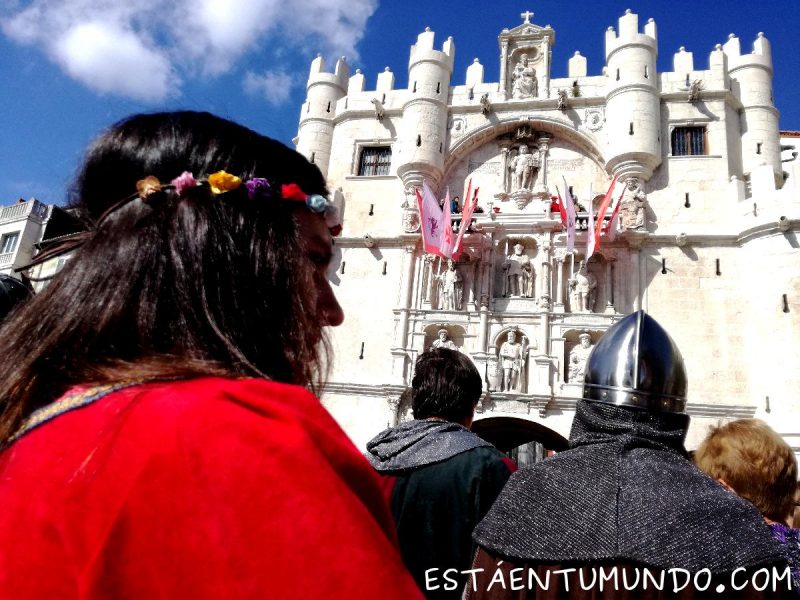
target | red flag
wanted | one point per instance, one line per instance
(611, 230)
(601, 212)
(559, 203)
(446, 246)
(466, 218)
(591, 240)
(431, 218)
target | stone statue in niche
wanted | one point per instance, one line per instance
(633, 205)
(578, 357)
(522, 167)
(512, 359)
(518, 274)
(452, 288)
(443, 341)
(583, 287)
(523, 80)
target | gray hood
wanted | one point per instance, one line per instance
(419, 443)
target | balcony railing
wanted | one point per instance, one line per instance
(23, 209)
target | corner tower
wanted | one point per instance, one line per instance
(423, 133)
(633, 104)
(318, 111)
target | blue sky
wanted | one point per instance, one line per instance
(71, 67)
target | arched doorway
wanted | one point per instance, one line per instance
(525, 442)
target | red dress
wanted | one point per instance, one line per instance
(201, 489)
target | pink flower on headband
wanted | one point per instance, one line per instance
(292, 191)
(183, 182)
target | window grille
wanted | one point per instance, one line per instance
(374, 161)
(688, 141)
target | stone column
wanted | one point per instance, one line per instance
(504, 166)
(483, 331)
(544, 147)
(544, 293)
(636, 279)
(504, 69)
(400, 354)
(610, 286)
(559, 305)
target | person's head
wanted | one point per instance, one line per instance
(523, 59)
(585, 340)
(518, 248)
(753, 461)
(446, 385)
(523, 149)
(451, 265)
(512, 337)
(442, 334)
(184, 281)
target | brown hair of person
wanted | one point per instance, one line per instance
(755, 461)
(179, 286)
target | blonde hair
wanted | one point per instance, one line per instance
(755, 461)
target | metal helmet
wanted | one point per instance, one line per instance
(637, 364)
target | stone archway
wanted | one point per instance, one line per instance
(560, 129)
(520, 438)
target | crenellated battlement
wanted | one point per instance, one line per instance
(423, 51)
(629, 34)
(339, 77)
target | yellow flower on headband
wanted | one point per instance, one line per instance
(222, 182)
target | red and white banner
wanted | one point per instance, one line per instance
(446, 245)
(601, 211)
(466, 218)
(431, 220)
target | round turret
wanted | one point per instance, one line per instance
(751, 75)
(423, 133)
(318, 111)
(633, 104)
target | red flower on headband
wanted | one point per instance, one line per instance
(292, 191)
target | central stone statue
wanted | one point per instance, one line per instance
(524, 84)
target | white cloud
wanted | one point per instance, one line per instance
(111, 60)
(139, 48)
(272, 86)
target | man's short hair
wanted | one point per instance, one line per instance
(446, 384)
(755, 461)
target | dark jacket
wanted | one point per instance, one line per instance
(440, 480)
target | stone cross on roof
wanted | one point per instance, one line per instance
(527, 16)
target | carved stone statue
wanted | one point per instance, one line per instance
(511, 359)
(582, 290)
(519, 273)
(632, 206)
(522, 167)
(562, 100)
(443, 341)
(452, 288)
(486, 106)
(522, 379)
(524, 84)
(578, 357)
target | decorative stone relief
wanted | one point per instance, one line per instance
(594, 119)
(582, 290)
(578, 357)
(633, 205)
(458, 126)
(410, 212)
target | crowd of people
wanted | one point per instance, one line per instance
(161, 437)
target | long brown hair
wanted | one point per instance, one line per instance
(190, 286)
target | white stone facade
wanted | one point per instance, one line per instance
(21, 226)
(710, 246)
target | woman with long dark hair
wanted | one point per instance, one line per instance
(158, 439)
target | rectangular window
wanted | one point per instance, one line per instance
(374, 161)
(688, 141)
(8, 243)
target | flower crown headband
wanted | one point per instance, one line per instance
(221, 182)
(217, 183)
